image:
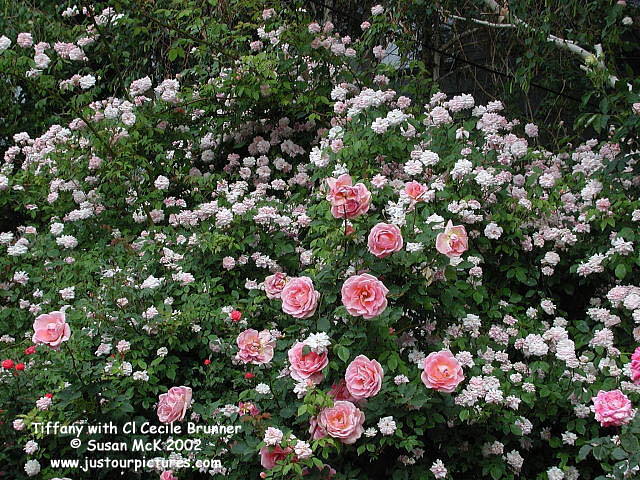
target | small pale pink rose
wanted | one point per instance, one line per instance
(255, 347)
(270, 456)
(453, 242)
(52, 329)
(299, 298)
(306, 367)
(364, 377)
(415, 191)
(384, 239)
(168, 475)
(274, 284)
(442, 371)
(612, 408)
(364, 296)
(347, 200)
(342, 421)
(173, 405)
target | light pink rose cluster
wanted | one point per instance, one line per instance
(384, 239)
(299, 298)
(635, 366)
(306, 367)
(342, 421)
(347, 200)
(255, 347)
(172, 406)
(442, 371)
(364, 296)
(612, 408)
(52, 329)
(274, 284)
(453, 242)
(364, 377)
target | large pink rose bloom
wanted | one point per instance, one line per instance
(347, 200)
(635, 366)
(342, 421)
(306, 367)
(299, 299)
(442, 372)
(364, 296)
(255, 347)
(52, 329)
(274, 284)
(453, 242)
(269, 456)
(172, 406)
(612, 408)
(363, 377)
(384, 239)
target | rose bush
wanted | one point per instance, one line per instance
(371, 285)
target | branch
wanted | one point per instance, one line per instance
(586, 55)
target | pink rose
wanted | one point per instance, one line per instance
(612, 408)
(635, 366)
(453, 241)
(347, 200)
(173, 405)
(339, 391)
(306, 367)
(269, 456)
(299, 299)
(315, 430)
(442, 372)
(52, 329)
(168, 475)
(342, 421)
(364, 296)
(274, 284)
(363, 377)
(255, 347)
(415, 191)
(384, 239)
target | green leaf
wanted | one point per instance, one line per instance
(342, 352)
(621, 271)
(619, 454)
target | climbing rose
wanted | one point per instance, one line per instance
(342, 421)
(347, 200)
(453, 241)
(255, 347)
(384, 239)
(612, 408)
(52, 329)
(299, 299)
(306, 367)
(364, 296)
(274, 284)
(442, 372)
(173, 405)
(364, 377)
